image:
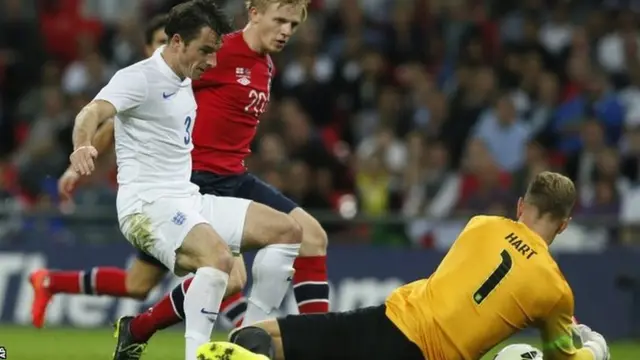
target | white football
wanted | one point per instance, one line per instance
(519, 352)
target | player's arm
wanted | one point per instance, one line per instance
(88, 120)
(103, 143)
(559, 337)
(104, 138)
(126, 90)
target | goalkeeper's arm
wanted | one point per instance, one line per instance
(584, 353)
(562, 340)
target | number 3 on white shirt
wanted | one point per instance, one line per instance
(258, 103)
(187, 130)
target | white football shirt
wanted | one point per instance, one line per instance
(155, 115)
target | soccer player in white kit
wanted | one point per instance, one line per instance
(159, 210)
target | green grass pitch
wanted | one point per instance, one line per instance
(24, 343)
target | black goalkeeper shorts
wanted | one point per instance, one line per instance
(363, 334)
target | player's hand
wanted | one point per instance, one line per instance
(82, 159)
(67, 184)
(594, 342)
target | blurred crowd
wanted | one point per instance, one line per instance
(428, 109)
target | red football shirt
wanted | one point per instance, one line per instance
(230, 97)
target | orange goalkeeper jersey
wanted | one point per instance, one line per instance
(497, 278)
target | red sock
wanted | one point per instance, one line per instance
(310, 284)
(67, 282)
(168, 311)
(97, 281)
(233, 308)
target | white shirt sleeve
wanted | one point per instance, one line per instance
(126, 90)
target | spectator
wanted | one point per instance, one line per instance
(542, 109)
(32, 102)
(485, 187)
(631, 160)
(388, 113)
(581, 164)
(392, 150)
(432, 187)
(536, 162)
(469, 101)
(372, 183)
(556, 33)
(504, 134)
(598, 101)
(21, 55)
(630, 97)
(86, 75)
(43, 153)
(271, 153)
(430, 113)
(404, 41)
(616, 48)
(302, 188)
(308, 77)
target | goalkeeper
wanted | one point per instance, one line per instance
(497, 278)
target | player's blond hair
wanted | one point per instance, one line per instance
(553, 194)
(263, 4)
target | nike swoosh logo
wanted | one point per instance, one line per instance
(166, 96)
(206, 312)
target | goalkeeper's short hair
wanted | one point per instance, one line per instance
(552, 194)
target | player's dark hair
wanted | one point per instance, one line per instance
(552, 194)
(187, 19)
(158, 22)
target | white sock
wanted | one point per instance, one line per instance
(201, 305)
(272, 274)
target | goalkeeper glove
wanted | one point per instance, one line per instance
(593, 341)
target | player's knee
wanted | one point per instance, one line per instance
(221, 259)
(203, 247)
(218, 257)
(277, 228)
(254, 339)
(136, 288)
(314, 240)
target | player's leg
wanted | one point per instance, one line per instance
(143, 275)
(170, 309)
(96, 281)
(365, 334)
(136, 282)
(305, 336)
(174, 231)
(276, 234)
(310, 283)
(262, 338)
(278, 237)
(206, 254)
(234, 305)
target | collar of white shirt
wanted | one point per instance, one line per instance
(165, 69)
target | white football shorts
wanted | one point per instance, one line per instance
(159, 227)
